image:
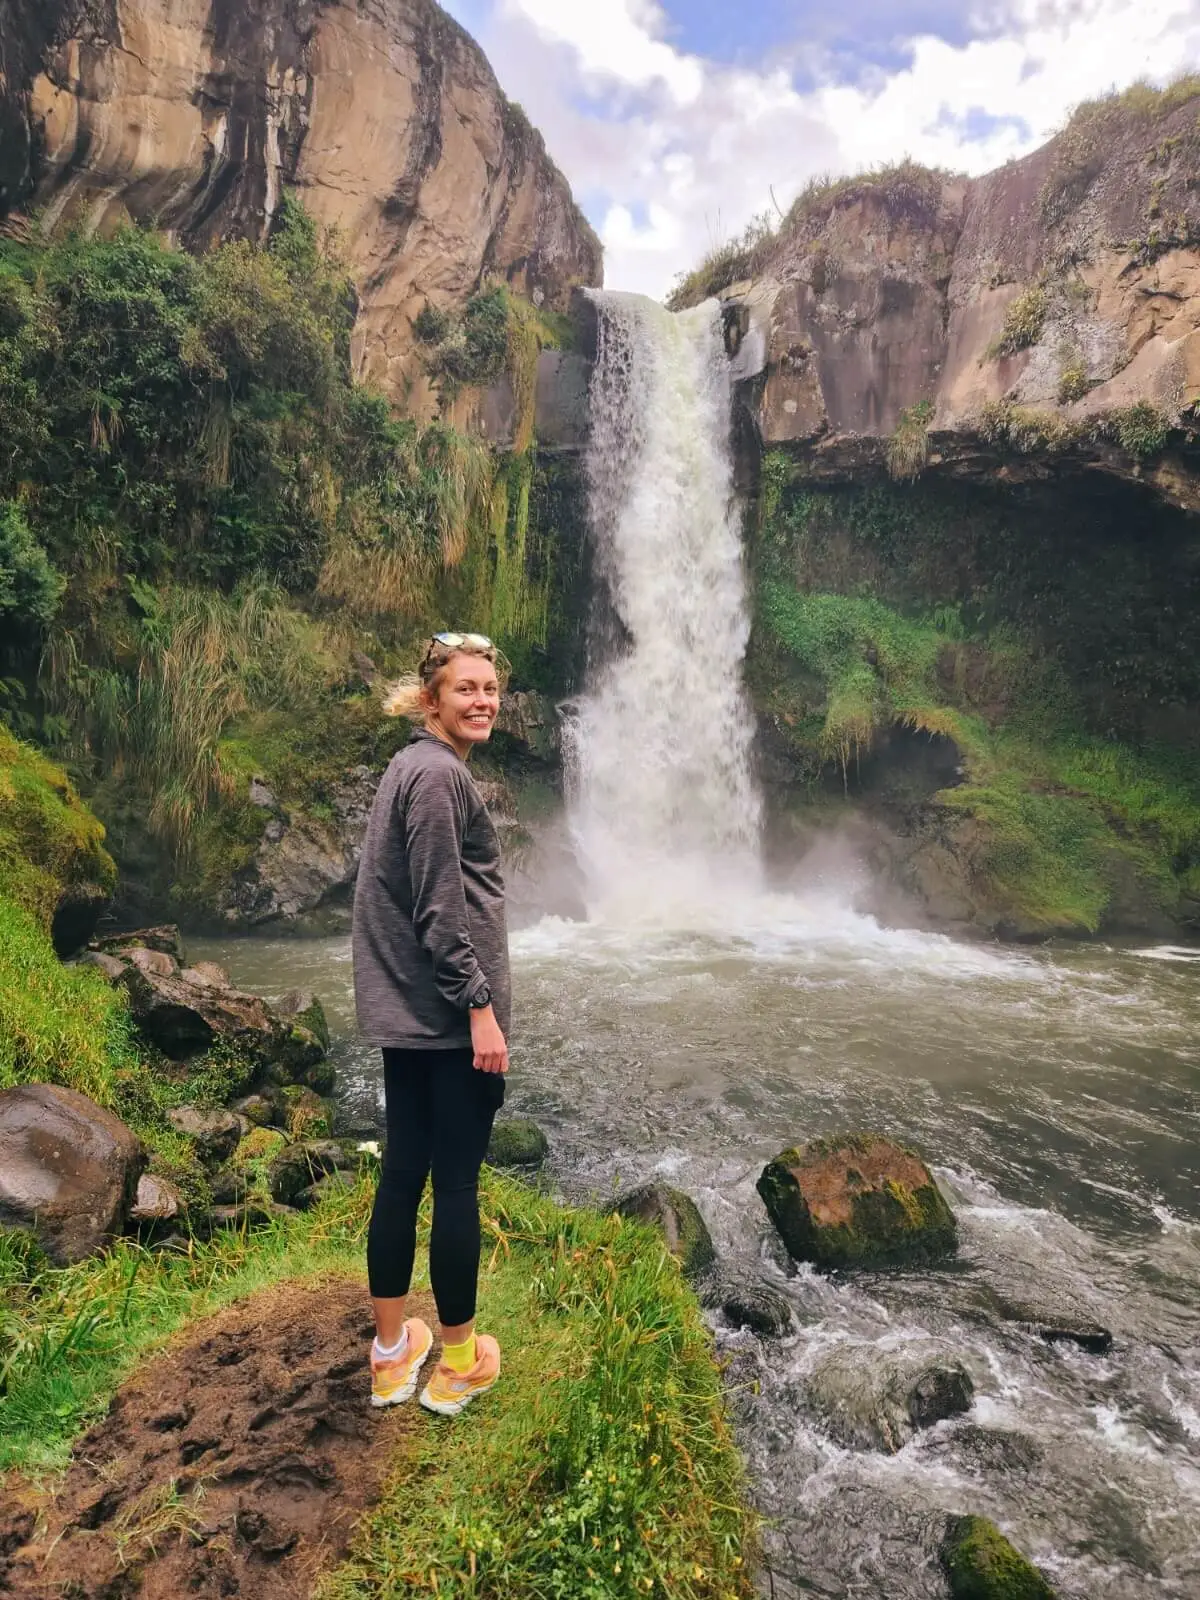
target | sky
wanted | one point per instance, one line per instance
(677, 121)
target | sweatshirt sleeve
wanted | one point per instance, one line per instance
(435, 820)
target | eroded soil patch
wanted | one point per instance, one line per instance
(236, 1463)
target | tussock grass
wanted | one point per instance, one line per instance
(601, 1467)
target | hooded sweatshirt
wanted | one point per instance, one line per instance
(429, 928)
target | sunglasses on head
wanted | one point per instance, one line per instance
(455, 641)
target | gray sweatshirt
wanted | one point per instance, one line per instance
(429, 928)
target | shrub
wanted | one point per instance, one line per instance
(30, 588)
(1073, 382)
(431, 325)
(1023, 324)
(1141, 429)
(908, 448)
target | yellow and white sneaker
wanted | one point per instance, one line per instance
(395, 1381)
(449, 1392)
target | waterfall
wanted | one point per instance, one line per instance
(664, 808)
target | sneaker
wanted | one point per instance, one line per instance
(448, 1392)
(395, 1381)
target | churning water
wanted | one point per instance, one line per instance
(698, 1022)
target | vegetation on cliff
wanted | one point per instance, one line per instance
(204, 521)
(925, 609)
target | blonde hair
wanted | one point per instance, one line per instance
(406, 697)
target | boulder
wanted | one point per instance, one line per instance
(302, 1008)
(530, 723)
(1059, 1325)
(334, 1183)
(299, 1166)
(747, 1303)
(267, 1109)
(517, 1142)
(306, 1115)
(157, 1200)
(214, 1133)
(677, 1218)
(981, 1564)
(165, 937)
(184, 1011)
(68, 1169)
(876, 1399)
(229, 1186)
(253, 1211)
(260, 1144)
(857, 1200)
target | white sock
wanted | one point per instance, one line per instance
(390, 1352)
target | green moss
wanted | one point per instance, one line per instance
(517, 1142)
(49, 841)
(981, 1564)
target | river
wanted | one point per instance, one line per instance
(701, 1018)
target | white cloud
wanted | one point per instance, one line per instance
(673, 153)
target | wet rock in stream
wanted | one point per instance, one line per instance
(855, 1200)
(981, 1564)
(873, 1399)
(677, 1218)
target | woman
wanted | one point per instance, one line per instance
(432, 988)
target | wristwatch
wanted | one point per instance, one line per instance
(480, 1000)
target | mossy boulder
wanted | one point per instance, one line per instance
(857, 1200)
(52, 856)
(981, 1564)
(307, 1116)
(677, 1218)
(259, 1145)
(299, 1166)
(301, 1006)
(517, 1142)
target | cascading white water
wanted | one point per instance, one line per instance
(664, 808)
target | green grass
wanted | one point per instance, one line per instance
(602, 1467)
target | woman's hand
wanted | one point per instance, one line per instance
(488, 1042)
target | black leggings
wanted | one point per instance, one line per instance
(439, 1116)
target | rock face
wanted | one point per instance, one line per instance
(878, 1400)
(935, 313)
(384, 115)
(980, 1564)
(69, 1170)
(857, 1200)
(677, 1218)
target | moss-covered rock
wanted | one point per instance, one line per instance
(52, 856)
(517, 1142)
(301, 1007)
(981, 1564)
(857, 1200)
(677, 1218)
(260, 1144)
(307, 1115)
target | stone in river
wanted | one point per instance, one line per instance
(981, 1564)
(873, 1398)
(677, 1218)
(747, 1303)
(517, 1142)
(857, 1200)
(68, 1169)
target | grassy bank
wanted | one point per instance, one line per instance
(602, 1466)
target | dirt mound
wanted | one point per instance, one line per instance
(235, 1464)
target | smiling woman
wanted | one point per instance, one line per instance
(432, 988)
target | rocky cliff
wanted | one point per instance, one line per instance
(1008, 325)
(196, 115)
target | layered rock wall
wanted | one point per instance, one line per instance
(1023, 308)
(196, 116)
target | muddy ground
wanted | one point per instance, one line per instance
(235, 1464)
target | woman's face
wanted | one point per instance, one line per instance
(467, 700)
